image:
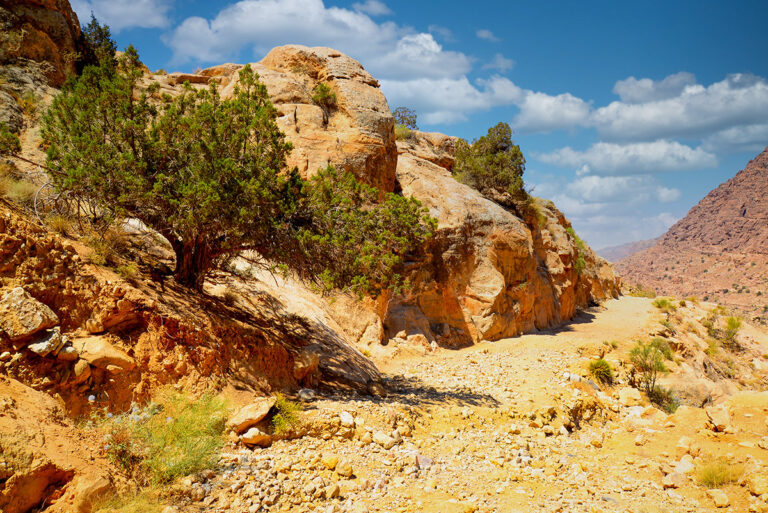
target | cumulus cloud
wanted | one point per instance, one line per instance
(500, 63)
(618, 227)
(697, 111)
(607, 188)
(447, 100)
(487, 35)
(122, 14)
(637, 158)
(633, 90)
(372, 7)
(540, 112)
(667, 194)
(750, 138)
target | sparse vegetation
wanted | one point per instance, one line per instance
(493, 165)
(664, 399)
(139, 502)
(405, 117)
(128, 271)
(665, 305)
(175, 436)
(715, 473)
(639, 291)
(324, 97)
(601, 370)
(287, 416)
(402, 132)
(581, 249)
(59, 224)
(648, 360)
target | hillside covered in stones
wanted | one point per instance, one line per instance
(719, 250)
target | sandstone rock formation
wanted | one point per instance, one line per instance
(719, 250)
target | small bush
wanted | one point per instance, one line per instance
(712, 347)
(663, 346)
(664, 398)
(682, 303)
(668, 324)
(402, 132)
(287, 416)
(648, 360)
(732, 327)
(405, 117)
(174, 437)
(141, 502)
(324, 97)
(59, 224)
(665, 305)
(18, 191)
(639, 291)
(718, 472)
(29, 104)
(581, 249)
(103, 252)
(601, 370)
(128, 271)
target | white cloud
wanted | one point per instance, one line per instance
(667, 195)
(608, 188)
(540, 112)
(633, 90)
(697, 111)
(637, 158)
(751, 138)
(500, 63)
(447, 100)
(121, 14)
(388, 50)
(487, 35)
(444, 33)
(372, 7)
(613, 228)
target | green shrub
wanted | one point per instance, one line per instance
(732, 327)
(29, 104)
(662, 345)
(639, 291)
(648, 361)
(139, 502)
(177, 436)
(581, 250)
(601, 370)
(128, 271)
(493, 165)
(715, 473)
(664, 399)
(20, 191)
(405, 117)
(402, 132)
(665, 305)
(324, 97)
(59, 224)
(287, 416)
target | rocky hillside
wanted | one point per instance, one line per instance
(719, 250)
(616, 253)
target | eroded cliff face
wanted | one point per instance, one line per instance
(490, 274)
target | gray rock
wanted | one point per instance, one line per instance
(22, 316)
(307, 394)
(51, 342)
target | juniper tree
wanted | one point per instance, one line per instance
(209, 174)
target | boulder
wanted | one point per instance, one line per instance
(100, 352)
(81, 371)
(22, 316)
(51, 342)
(719, 417)
(256, 436)
(674, 480)
(758, 484)
(719, 498)
(251, 414)
(305, 364)
(629, 396)
(384, 440)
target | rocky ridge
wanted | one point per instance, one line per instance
(717, 250)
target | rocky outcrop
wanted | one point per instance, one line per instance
(489, 273)
(718, 250)
(355, 135)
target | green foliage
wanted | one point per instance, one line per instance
(665, 305)
(716, 473)
(128, 271)
(29, 104)
(287, 416)
(100, 47)
(663, 346)
(209, 175)
(493, 164)
(324, 97)
(648, 360)
(140, 502)
(664, 398)
(732, 327)
(349, 241)
(402, 132)
(405, 117)
(176, 436)
(9, 142)
(601, 370)
(639, 291)
(581, 250)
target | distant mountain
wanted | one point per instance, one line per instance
(615, 253)
(718, 251)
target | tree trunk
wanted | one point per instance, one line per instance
(193, 260)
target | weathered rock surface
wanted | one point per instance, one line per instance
(357, 135)
(251, 414)
(489, 274)
(22, 316)
(100, 352)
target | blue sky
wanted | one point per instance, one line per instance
(628, 112)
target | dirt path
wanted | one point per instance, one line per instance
(507, 426)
